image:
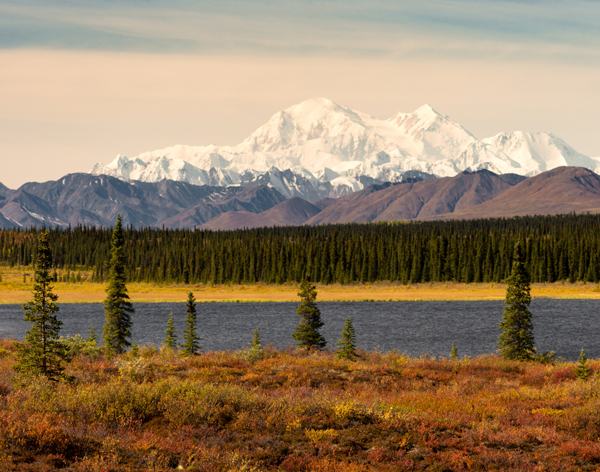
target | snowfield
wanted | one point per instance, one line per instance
(318, 148)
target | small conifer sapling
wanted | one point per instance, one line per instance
(453, 353)
(347, 343)
(256, 351)
(170, 335)
(581, 370)
(256, 343)
(92, 337)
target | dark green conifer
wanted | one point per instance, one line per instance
(170, 335)
(581, 370)
(117, 307)
(307, 333)
(347, 343)
(453, 353)
(42, 353)
(190, 344)
(516, 340)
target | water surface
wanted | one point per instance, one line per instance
(414, 327)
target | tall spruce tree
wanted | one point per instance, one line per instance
(307, 332)
(117, 307)
(190, 345)
(516, 340)
(170, 335)
(347, 344)
(42, 353)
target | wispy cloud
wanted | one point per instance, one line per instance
(545, 30)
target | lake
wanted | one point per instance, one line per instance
(564, 326)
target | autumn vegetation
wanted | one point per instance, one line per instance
(298, 410)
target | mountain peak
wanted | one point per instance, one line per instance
(426, 110)
(317, 102)
(316, 109)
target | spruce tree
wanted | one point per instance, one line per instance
(117, 307)
(581, 370)
(170, 335)
(453, 353)
(307, 333)
(347, 344)
(516, 340)
(42, 353)
(190, 344)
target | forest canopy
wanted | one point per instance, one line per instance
(557, 248)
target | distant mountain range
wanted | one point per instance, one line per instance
(96, 201)
(316, 163)
(319, 149)
(468, 195)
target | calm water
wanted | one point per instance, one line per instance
(564, 326)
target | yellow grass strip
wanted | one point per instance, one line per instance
(19, 292)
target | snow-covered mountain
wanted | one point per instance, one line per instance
(318, 148)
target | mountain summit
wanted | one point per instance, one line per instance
(332, 150)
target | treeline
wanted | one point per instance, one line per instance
(557, 248)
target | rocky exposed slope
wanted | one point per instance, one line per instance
(96, 201)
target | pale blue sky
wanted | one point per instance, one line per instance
(351, 27)
(82, 81)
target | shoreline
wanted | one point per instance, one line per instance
(13, 293)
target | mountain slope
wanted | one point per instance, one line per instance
(96, 201)
(558, 191)
(533, 153)
(292, 212)
(414, 200)
(4, 191)
(6, 223)
(27, 210)
(251, 200)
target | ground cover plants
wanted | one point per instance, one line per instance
(298, 410)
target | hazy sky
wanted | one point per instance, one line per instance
(83, 81)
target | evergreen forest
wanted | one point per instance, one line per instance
(556, 248)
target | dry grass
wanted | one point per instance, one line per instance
(298, 411)
(13, 290)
